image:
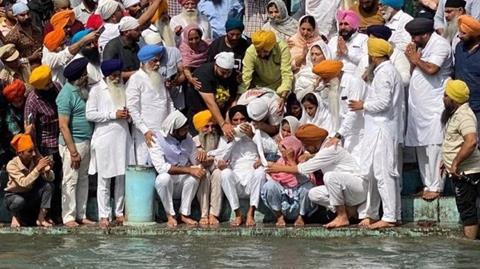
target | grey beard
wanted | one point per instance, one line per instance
(190, 16)
(368, 75)
(388, 14)
(333, 101)
(117, 93)
(155, 79)
(83, 93)
(209, 141)
(451, 30)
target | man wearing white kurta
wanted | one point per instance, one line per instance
(106, 108)
(383, 114)
(173, 154)
(324, 13)
(148, 102)
(433, 65)
(396, 19)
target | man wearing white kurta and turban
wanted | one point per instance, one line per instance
(106, 108)
(432, 67)
(382, 110)
(174, 156)
(396, 19)
(148, 101)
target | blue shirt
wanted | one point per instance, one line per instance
(217, 14)
(71, 104)
(467, 68)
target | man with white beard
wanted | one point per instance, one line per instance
(396, 19)
(106, 108)
(147, 100)
(453, 10)
(189, 15)
(383, 120)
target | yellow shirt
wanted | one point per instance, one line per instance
(367, 19)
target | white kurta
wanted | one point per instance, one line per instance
(324, 13)
(357, 48)
(425, 95)
(57, 62)
(202, 22)
(111, 31)
(108, 159)
(400, 37)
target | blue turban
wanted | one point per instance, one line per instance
(234, 24)
(75, 69)
(379, 31)
(396, 4)
(110, 66)
(149, 52)
(19, 8)
(80, 34)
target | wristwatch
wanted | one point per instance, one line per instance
(338, 136)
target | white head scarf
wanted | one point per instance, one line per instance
(129, 3)
(285, 25)
(322, 116)
(173, 122)
(225, 60)
(293, 122)
(128, 23)
(257, 109)
(106, 8)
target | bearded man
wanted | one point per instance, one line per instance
(147, 100)
(453, 10)
(396, 19)
(189, 15)
(369, 13)
(106, 107)
(90, 51)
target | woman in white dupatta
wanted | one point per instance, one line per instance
(279, 21)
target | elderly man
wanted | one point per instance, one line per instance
(460, 154)
(148, 102)
(174, 156)
(344, 187)
(453, 10)
(217, 89)
(383, 130)
(350, 45)
(369, 13)
(472, 8)
(106, 107)
(133, 7)
(231, 42)
(29, 186)
(74, 144)
(218, 12)
(267, 63)
(209, 193)
(14, 67)
(467, 61)
(189, 15)
(26, 37)
(324, 13)
(432, 66)
(396, 19)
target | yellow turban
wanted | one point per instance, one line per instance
(264, 40)
(201, 119)
(328, 69)
(54, 39)
(378, 47)
(22, 142)
(40, 77)
(457, 90)
(469, 25)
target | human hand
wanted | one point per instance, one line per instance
(75, 160)
(178, 30)
(122, 114)
(222, 164)
(201, 156)
(197, 85)
(281, 106)
(247, 129)
(342, 49)
(42, 164)
(355, 105)
(332, 141)
(197, 172)
(149, 138)
(411, 53)
(227, 130)
(257, 163)
(304, 157)
(90, 37)
(274, 168)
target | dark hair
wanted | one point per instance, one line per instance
(238, 108)
(272, 4)
(311, 98)
(292, 101)
(310, 20)
(199, 32)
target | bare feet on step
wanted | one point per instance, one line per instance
(171, 221)
(250, 222)
(339, 221)
(104, 223)
(299, 222)
(87, 222)
(280, 221)
(187, 220)
(203, 221)
(212, 220)
(71, 224)
(382, 225)
(430, 195)
(366, 222)
(15, 223)
(237, 221)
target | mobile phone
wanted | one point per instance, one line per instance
(344, 97)
(238, 65)
(101, 30)
(29, 119)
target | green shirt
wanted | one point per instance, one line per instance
(274, 73)
(70, 104)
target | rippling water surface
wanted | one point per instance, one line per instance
(88, 251)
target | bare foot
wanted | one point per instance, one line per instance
(15, 223)
(381, 225)
(250, 221)
(337, 223)
(430, 195)
(366, 222)
(237, 221)
(87, 222)
(419, 194)
(171, 221)
(104, 223)
(280, 221)
(299, 222)
(212, 220)
(119, 220)
(71, 224)
(43, 223)
(187, 220)
(203, 221)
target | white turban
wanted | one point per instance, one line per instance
(129, 3)
(106, 8)
(128, 23)
(257, 109)
(153, 39)
(174, 121)
(225, 60)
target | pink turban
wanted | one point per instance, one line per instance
(350, 17)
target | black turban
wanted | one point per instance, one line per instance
(419, 26)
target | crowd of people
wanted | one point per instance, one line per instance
(294, 104)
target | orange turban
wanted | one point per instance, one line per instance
(161, 9)
(22, 142)
(54, 39)
(14, 90)
(263, 39)
(469, 25)
(328, 69)
(61, 19)
(201, 119)
(311, 135)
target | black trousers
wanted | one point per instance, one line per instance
(466, 193)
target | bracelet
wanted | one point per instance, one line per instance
(74, 154)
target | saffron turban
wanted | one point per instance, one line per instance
(111, 66)
(54, 39)
(107, 8)
(60, 19)
(233, 23)
(257, 109)
(22, 142)
(350, 17)
(75, 69)
(469, 25)
(419, 26)
(161, 9)
(457, 90)
(40, 77)
(311, 135)
(19, 8)
(94, 22)
(14, 90)
(148, 52)
(396, 4)
(379, 31)
(263, 39)
(201, 119)
(328, 69)
(378, 47)
(80, 34)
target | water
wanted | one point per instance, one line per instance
(89, 251)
